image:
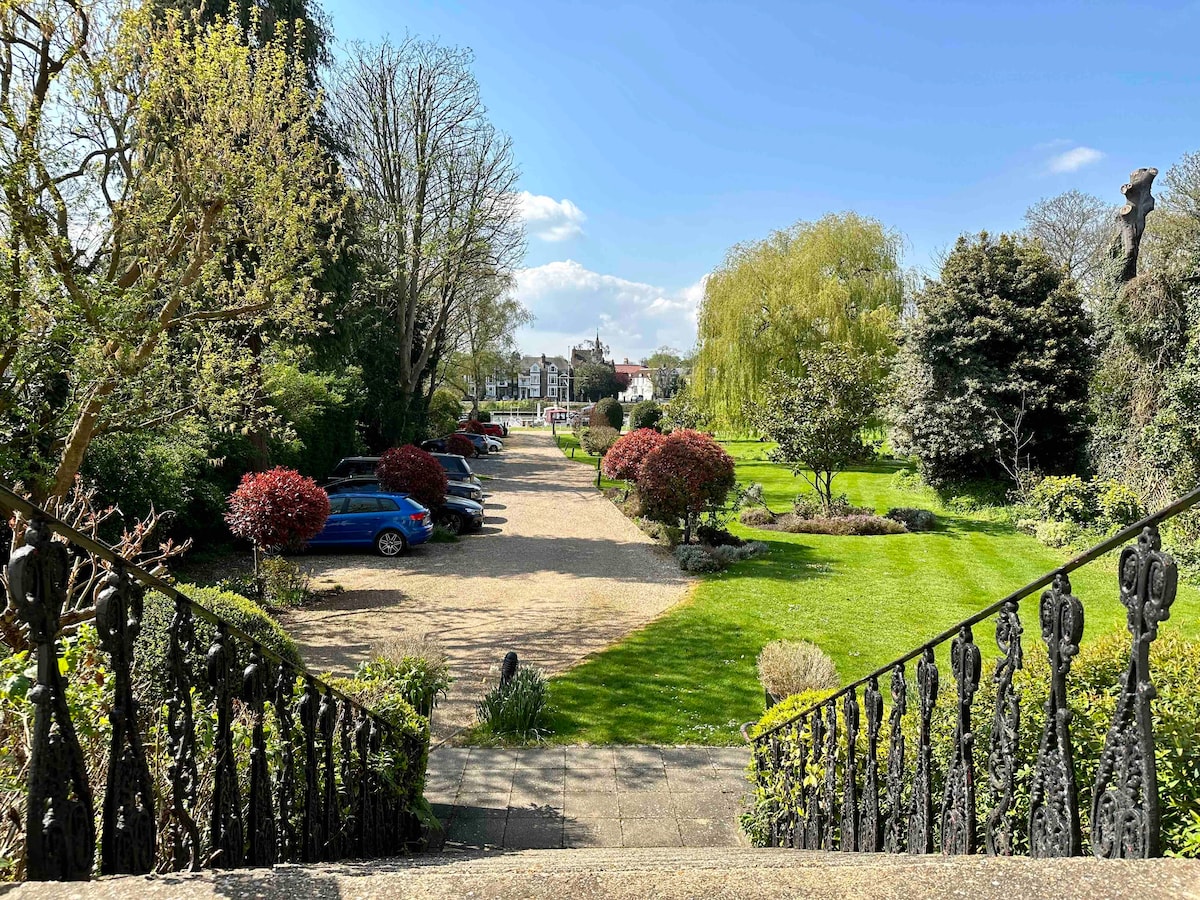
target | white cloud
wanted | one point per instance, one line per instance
(1074, 159)
(550, 219)
(571, 302)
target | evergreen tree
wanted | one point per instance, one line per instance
(993, 371)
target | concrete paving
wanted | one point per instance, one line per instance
(556, 797)
(664, 874)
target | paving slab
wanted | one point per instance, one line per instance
(587, 797)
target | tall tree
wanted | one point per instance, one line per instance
(162, 190)
(484, 334)
(818, 418)
(996, 357)
(836, 280)
(434, 185)
(1077, 231)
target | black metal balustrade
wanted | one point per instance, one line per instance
(838, 809)
(348, 806)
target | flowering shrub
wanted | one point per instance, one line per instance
(277, 509)
(687, 474)
(459, 445)
(410, 470)
(624, 460)
(473, 426)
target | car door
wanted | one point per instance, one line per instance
(361, 514)
(335, 525)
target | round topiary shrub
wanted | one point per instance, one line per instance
(624, 460)
(646, 414)
(460, 446)
(598, 439)
(608, 412)
(410, 470)
(473, 426)
(685, 475)
(276, 510)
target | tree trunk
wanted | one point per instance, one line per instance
(77, 442)
(1131, 219)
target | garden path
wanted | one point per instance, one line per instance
(557, 573)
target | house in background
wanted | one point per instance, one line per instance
(638, 380)
(536, 378)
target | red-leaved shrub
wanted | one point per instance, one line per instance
(683, 476)
(462, 446)
(410, 470)
(473, 426)
(277, 509)
(623, 462)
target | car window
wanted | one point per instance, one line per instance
(387, 505)
(337, 505)
(362, 505)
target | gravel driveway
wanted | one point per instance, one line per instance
(557, 573)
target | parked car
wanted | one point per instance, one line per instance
(482, 442)
(438, 445)
(456, 514)
(457, 469)
(492, 429)
(351, 466)
(391, 523)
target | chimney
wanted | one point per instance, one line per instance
(627, 360)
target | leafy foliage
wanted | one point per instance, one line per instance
(204, 220)
(595, 381)
(444, 410)
(686, 475)
(623, 461)
(646, 414)
(410, 470)
(598, 439)
(415, 668)
(817, 418)
(608, 412)
(277, 509)
(1064, 498)
(995, 365)
(912, 518)
(460, 446)
(837, 280)
(517, 710)
(473, 426)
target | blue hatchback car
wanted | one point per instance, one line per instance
(391, 523)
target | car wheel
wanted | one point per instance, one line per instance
(390, 543)
(453, 524)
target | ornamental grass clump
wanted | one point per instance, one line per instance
(516, 710)
(790, 667)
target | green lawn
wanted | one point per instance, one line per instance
(689, 677)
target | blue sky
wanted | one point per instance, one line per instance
(653, 136)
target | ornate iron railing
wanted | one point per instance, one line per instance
(828, 784)
(324, 792)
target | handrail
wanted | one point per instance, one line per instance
(1187, 501)
(15, 502)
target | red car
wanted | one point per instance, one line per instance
(494, 430)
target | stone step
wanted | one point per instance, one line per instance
(629, 874)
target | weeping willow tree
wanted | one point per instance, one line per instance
(837, 280)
